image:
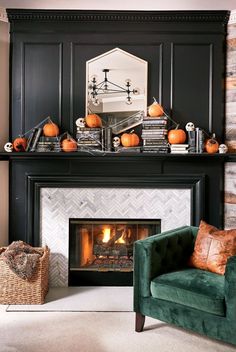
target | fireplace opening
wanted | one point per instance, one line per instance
(101, 251)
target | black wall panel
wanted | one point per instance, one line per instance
(191, 89)
(42, 81)
(184, 52)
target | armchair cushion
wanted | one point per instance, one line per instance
(194, 288)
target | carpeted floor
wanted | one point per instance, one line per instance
(89, 331)
(95, 332)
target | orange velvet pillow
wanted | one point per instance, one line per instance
(212, 248)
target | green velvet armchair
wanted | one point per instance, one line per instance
(167, 289)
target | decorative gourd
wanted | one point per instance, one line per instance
(50, 129)
(20, 144)
(129, 139)
(155, 109)
(69, 145)
(93, 121)
(212, 146)
(176, 136)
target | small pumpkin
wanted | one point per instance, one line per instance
(69, 145)
(212, 146)
(20, 144)
(176, 136)
(155, 109)
(93, 121)
(50, 129)
(129, 139)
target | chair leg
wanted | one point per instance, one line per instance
(139, 322)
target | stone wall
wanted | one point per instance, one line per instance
(231, 85)
(230, 168)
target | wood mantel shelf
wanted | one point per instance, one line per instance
(124, 156)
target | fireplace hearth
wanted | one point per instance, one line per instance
(106, 245)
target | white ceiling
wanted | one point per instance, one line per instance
(122, 4)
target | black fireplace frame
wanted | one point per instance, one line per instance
(196, 184)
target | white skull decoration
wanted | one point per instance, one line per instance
(116, 142)
(223, 148)
(190, 126)
(80, 122)
(8, 147)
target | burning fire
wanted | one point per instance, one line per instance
(106, 235)
(120, 240)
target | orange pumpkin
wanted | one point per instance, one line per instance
(69, 145)
(212, 146)
(50, 129)
(176, 136)
(93, 121)
(20, 144)
(129, 140)
(155, 109)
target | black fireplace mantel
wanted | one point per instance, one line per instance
(227, 157)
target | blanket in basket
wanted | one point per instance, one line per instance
(22, 259)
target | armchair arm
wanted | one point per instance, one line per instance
(230, 288)
(159, 254)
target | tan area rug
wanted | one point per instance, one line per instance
(82, 299)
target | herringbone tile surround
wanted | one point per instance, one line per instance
(57, 205)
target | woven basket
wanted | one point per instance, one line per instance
(14, 290)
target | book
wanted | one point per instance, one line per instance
(144, 137)
(89, 148)
(108, 139)
(199, 140)
(157, 118)
(84, 143)
(154, 127)
(179, 151)
(155, 132)
(45, 139)
(192, 141)
(87, 138)
(154, 142)
(157, 143)
(30, 140)
(48, 143)
(35, 139)
(157, 147)
(181, 146)
(89, 132)
(88, 129)
(157, 123)
(129, 149)
(156, 151)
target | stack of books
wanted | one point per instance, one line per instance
(154, 134)
(196, 140)
(121, 149)
(89, 138)
(48, 144)
(179, 148)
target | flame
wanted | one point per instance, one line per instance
(106, 235)
(120, 240)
